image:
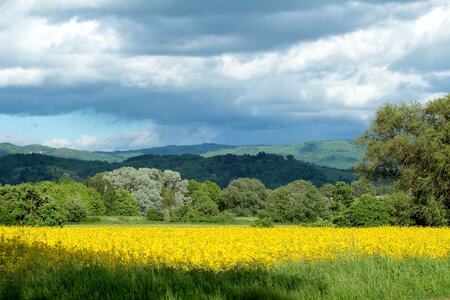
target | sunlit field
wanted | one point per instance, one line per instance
(212, 248)
(117, 262)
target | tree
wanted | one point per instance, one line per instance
(343, 193)
(362, 186)
(205, 191)
(410, 143)
(368, 211)
(118, 202)
(151, 188)
(244, 196)
(401, 208)
(69, 189)
(299, 201)
(25, 204)
(124, 204)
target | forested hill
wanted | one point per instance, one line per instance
(341, 154)
(115, 156)
(273, 170)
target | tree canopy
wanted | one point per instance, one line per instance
(410, 143)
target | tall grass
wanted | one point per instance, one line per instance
(363, 278)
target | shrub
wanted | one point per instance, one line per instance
(429, 211)
(401, 208)
(76, 210)
(25, 204)
(367, 212)
(124, 204)
(265, 222)
(299, 201)
(244, 196)
(154, 214)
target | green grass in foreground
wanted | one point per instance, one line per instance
(364, 278)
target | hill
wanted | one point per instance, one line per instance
(273, 170)
(115, 156)
(342, 154)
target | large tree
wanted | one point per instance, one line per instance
(299, 201)
(244, 197)
(410, 143)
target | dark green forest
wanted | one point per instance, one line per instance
(341, 154)
(273, 170)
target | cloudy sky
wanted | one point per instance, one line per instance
(112, 74)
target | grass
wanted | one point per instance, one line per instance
(364, 278)
(141, 221)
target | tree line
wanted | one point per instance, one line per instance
(408, 145)
(273, 170)
(165, 196)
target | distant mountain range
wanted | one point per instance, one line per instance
(341, 154)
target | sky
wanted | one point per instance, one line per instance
(117, 75)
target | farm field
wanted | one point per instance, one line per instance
(224, 262)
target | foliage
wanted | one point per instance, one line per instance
(430, 211)
(264, 222)
(154, 214)
(343, 193)
(272, 170)
(21, 168)
(410, 144)
(116, 201)
(26, 205)
(342, 154)
(244, 197)
(201, 192)
(401, 208)
(124, 204)
(151, 187)
(298, 201)
(362, 186)
(368, 211)
(69, 189)
(76, 209)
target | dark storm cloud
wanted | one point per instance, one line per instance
(255, 71)
(210, 28)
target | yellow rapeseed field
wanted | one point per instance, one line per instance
(213, 248)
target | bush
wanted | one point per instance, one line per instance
(401, 208)
(25, 204)
(429, 211)
(244, 196)
(76, 210)
(299, 201)
(265, 222)
(50, 214)
(124, 204)
(154, 214)
(63, 192)
(367, 212)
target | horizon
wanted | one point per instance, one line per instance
(181, 145)
(106, 75)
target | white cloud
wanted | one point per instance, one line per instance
(16, 139)
(58, 143)
(347, 74)
(84, 141)
(128, 140)
(21, 77)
